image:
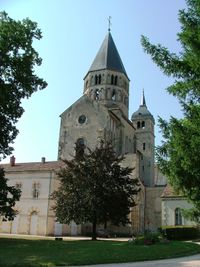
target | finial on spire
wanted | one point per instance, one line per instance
(143, 102)
(109, 23)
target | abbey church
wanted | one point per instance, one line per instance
(100, 113)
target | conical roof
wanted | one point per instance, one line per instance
(142, 110)
(108, 57)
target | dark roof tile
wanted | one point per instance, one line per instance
(108, 57)
(33, 166)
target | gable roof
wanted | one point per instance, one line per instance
(170, 192)
(82, 98)
(108, 57)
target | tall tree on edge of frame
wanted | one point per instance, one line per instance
(17, 81)
(17, 77)
(178, 156)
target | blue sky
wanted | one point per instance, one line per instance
(73, 31)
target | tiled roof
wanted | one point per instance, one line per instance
(33, 166)
(169, 192)
(108, 57)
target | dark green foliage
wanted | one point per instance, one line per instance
(149, 238)
(8, 196)
(180, 232)
(178, 156)
(95, 188)
(17, 81)
(17, 78)
(185, 67)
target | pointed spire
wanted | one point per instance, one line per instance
(143, 101)
(108, 57)
(142, 110)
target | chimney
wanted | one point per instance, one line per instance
(43, 160)
(12, 161)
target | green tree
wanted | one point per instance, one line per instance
(8, 196)
(178, 155)
(17, 81)
(95, 188)
(17, 77)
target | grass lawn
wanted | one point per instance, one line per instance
(27, 253)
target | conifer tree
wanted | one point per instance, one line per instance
(179, 154)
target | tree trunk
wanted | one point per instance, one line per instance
(105, 224)
(94, 228)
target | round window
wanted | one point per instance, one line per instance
(82, 119)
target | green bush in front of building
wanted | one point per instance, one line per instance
(180, 232)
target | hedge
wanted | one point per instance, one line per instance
(180, 232)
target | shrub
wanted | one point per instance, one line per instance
(149, 238)
(180, 232)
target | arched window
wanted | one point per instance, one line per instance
(97, 94)
(96, 79)
(113, 95)
(80, 147)
(138, 124)
(112, 79)
(80, 141)
(143, 124)
(116, 79)
(178, 216)
(144, 146)
(99, 81)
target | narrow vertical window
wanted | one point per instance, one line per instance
(80, 148)
(178, 216)
(113, 95)
(116, 79)
(143, 124)
(112, 79)
(138, 124)
(99, 80)
(144, 146)
(97, 94)
(35, 190)
(96, 79)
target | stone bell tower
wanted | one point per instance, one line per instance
(102, 111)
(106, 80)
(143, 122)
